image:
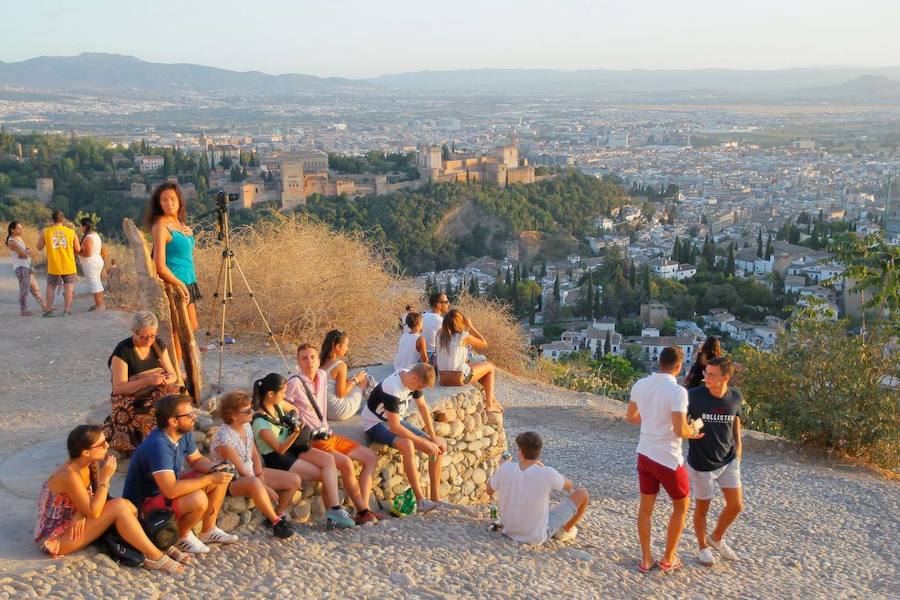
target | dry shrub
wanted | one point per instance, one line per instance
(507, 346)
(121, 282)
(308, 279)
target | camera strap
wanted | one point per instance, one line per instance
(311, 399)
(261, 414)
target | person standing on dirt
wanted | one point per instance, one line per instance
(62, 245)
(173, 245)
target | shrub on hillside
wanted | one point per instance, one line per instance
(308, 279)
(507, 346)
(826, 387)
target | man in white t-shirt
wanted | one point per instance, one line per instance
(432, 321)
(524, 496)
(659, 405)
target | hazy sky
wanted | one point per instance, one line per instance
(363, 38)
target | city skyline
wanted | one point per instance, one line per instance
(359, 40)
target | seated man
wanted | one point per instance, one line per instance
(382, 418)
(157, 478)
(308, 391)
(524, 489)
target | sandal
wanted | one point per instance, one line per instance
(182, 557)
(669, 567)
(48, 313)
(643, 569)
(164, 564)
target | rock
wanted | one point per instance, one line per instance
(122, 465)
(298, 496)
(199, 437)
(302, 511)
(246, 516)
(488, 430)
(228, 521)
(204, 422)
(211, 404)
(475, 446)
(450, 415)
(495, 419)
(456, 428)
(402, 580)
(479, 476)
(317, 509)
(235, 504)
(468, 488)
(442, 429)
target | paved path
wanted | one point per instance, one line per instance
(810, 529)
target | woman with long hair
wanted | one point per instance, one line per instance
(173, 244)
(456, 336)
(345, 395)
(91, 260)
(21, 262)
(279, 448)
(74, 508)
(710, 349)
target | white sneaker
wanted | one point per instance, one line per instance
(723, 549)
(191, 544)
(566, 536)
(425, 505)
(706, 557)
(217, 536)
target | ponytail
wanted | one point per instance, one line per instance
(9, 230)
(270, 383)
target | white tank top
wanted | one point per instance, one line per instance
(95, 247)
(407, 355)
(16, 261)
(456, 356)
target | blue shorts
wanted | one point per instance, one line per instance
(559, 515)
(381, 434)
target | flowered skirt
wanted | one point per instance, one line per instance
(132, 418)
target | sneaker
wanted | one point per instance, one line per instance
(723, 549)
(566, 536)
(282, 529)
(368, 517)
(191, 544)
(425, 505)
(339, 519)
(217, 536)
(706, 557)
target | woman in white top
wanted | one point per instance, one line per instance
(345, 396)
(92, 261)
(411, 347)
(21, 263)
(233, 443)
(456, 336)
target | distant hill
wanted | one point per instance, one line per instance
(610, 81)
(866, 87)
(97, 71)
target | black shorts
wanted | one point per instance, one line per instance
(281, 462)
(194, 292)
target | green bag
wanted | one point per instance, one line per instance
(404, 504)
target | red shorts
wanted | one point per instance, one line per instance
(159, 501)
(651, 474)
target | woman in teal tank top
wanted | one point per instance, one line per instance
(173, 244)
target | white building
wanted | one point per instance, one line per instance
(556, 350)
(669, 269)
(148, 163)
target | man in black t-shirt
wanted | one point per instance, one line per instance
(716, 457)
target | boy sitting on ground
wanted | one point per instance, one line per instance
(383, 420)
(524, 488)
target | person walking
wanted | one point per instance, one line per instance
(716, 458)
(659, 405)
(62, 245)
(21, 263)
(91, 259)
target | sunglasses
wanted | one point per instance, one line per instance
(102, 444)
(147, 337)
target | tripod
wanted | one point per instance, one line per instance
(225, 286)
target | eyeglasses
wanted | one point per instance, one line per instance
(147, 337)
(103, 444)
(192, 415)
(247, 411)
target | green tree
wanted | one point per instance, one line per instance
(729, 264)
(556, 287)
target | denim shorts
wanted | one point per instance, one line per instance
(382, 434)
(727, 477)
(560, 514)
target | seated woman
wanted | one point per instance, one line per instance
(142, 373)
(411, 347)
(233, 443)
(457, 334)
(278, 446)
(73, 509)
(710, 349)
(345, 396)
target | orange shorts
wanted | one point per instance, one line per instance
(336, 443)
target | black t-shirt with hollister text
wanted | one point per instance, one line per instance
(716, 448)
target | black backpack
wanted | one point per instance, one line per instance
(161, 527)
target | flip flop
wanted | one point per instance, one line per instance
(667, 567)
(643, 569)
(182, 557)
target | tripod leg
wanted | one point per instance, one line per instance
(215, 297)
(226, 296)
(261, 314)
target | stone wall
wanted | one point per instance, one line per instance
(476, 442)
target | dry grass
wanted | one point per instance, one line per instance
(308, 279)
(507, 346)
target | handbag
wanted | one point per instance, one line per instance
(451, 378)
(112, 544)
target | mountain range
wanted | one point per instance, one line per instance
(114, 72)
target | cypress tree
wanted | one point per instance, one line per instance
(607, 345)
(759, 244)
(729, 266)
(676, 250)
(556, 287)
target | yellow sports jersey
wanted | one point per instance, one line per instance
(59, 241)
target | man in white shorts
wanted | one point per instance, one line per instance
(524, 489)
(716, 457)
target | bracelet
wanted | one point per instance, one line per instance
(103, 484)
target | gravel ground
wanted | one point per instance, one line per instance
(810, 528)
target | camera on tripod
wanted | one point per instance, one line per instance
(223, 198)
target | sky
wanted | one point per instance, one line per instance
(356, 38)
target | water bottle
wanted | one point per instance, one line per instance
(496, 525)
